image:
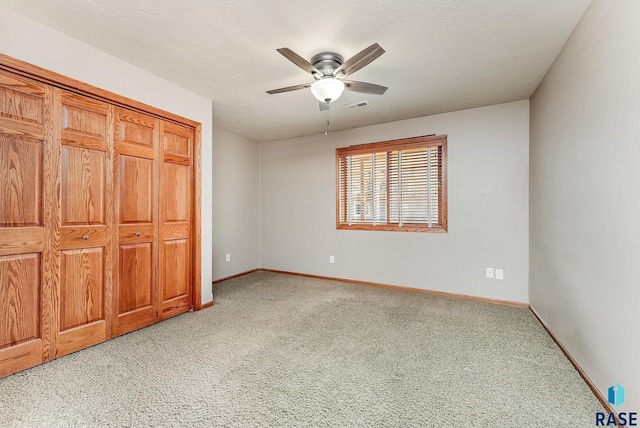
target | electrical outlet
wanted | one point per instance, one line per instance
(489, 272)
(332, 259)
(499, 274)
(228, 257)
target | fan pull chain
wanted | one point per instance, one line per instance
(326, 129)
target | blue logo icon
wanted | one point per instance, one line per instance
(616, 394)
(622, 419)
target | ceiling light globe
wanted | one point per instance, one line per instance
(327, 90)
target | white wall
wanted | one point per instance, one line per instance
(488, 208)
(236, 212)
(585, 196)
(30, 41)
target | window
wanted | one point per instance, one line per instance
(396, 185)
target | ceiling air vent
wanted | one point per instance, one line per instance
(359, 104)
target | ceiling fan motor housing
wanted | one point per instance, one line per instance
(326, 63)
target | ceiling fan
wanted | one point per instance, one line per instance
(328, 69)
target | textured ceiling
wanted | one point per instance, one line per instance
(440, 55)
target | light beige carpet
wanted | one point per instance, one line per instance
(281, 350)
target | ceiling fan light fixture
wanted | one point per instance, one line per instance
(327, 90)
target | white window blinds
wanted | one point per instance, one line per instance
(395, 185)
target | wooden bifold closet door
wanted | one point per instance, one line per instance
(175, 230)
(82, 153)
(136, 183)
(98, 206)
(153, 162)
(25, 222)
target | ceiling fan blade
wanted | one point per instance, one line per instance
(359, 60)
(298, 60)
(289, 88)
(323, 106)
(364, 87)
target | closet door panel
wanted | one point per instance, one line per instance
(177, 142)
(83, 184)
(81, 287)
(137, 130)
(20, 296)
(135, 297)
(176, 211)
(176, 197)
(136, 272)
(176, 274)
(83, 149)
(22, 106)
(84, 122)
(25, 203)
(136, 190)
(20, 169)
(21, 100)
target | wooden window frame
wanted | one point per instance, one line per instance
(388, 146)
